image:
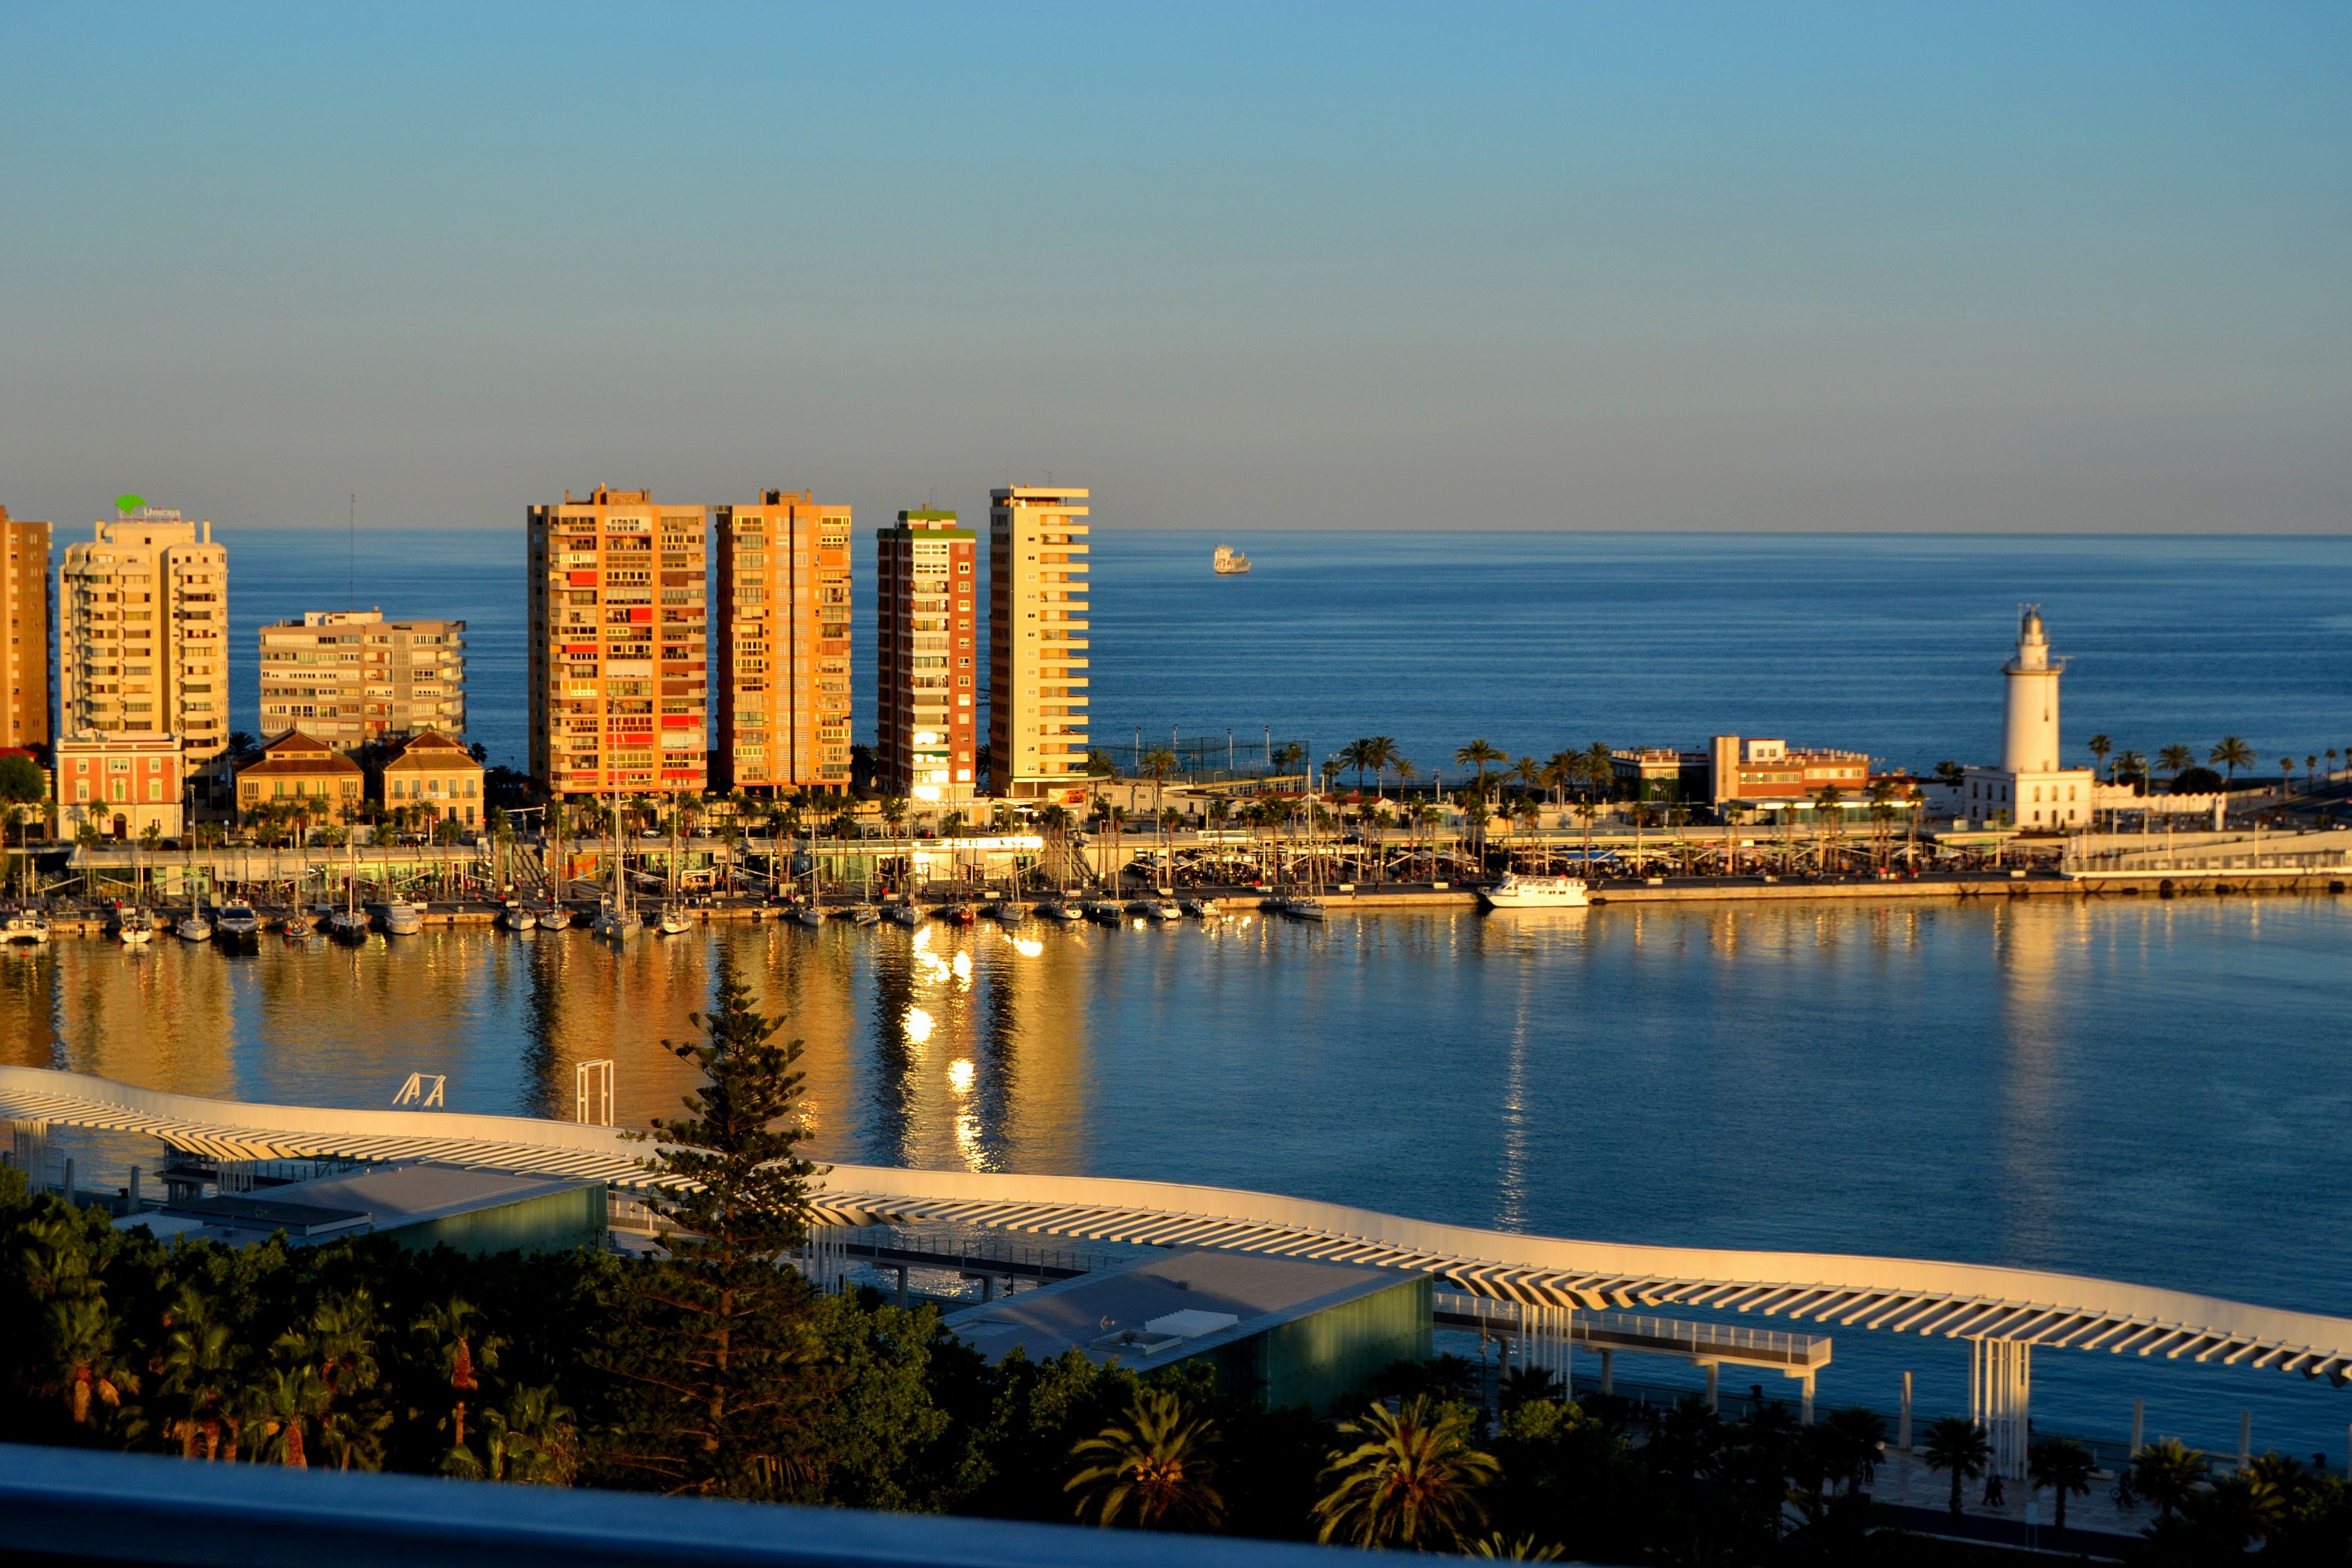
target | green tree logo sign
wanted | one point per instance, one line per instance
(129, 503)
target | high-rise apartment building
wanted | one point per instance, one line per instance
(25, 623)
(619, 673)
(924, 661)
(783, 645)
(349, 677)
(1036, 642)
(142, 633)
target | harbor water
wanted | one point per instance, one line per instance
(2145, 1090)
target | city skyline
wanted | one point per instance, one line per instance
(1951, 268)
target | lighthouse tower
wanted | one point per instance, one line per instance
(2031, 790)
(2029, 731)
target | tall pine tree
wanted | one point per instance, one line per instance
(714, 1341)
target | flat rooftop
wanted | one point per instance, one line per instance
(1155, 1310)
(385, 1197)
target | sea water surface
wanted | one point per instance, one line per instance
(2155, 1090)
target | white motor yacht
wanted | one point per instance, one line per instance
(1518, 892)
(1205, 908)
(402, 918)
(238, 922)
(1304, 908)
(25, 928)
(1162, 910)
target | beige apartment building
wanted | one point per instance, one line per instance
(1037, 643)
(619, 673)
(24, 617)
(430, 774)
(349, 677)
(142, 633)
(783, 709)
(926, 724)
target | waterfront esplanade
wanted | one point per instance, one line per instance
(2004, 1313)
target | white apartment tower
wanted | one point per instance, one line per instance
(142, 632)
(1037, 642)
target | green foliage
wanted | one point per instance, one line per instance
(1152, 1467)
(1414, 1478)
(715, 1338)
(22, 782)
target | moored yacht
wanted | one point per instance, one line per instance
(517, 917)
(908, 914)
(237, 923)
(1518, 892)
(195, 926)
(23, 928)
(1055, 908)
(133, 925)
(402, 918)
(1203, 907)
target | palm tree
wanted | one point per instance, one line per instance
(1357, 755)
(1382, 751)
(2310, 774)
(2168, 1473)
(1855, 1436)
(1828, 807)
(2233, 754)
(2176, 759)
(2331, 761)
(2099, 746)
(2131, 765)
(452, 1335)
(533, 1440)
(1479, 754)
(84, 1366)
(1411, 1480)
(1154, 1464)
(1521, 1549)
(201, 1359)
(2065, 1467)
(279, 1407)
(1958, 1444)
(2287, 777)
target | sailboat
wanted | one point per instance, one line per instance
(350, 923)
(811, 912)
(615, 918)
(135, 925)
(516, 916)
(1306, 904)
(673, 920)
(401, 918)
(1011, 909)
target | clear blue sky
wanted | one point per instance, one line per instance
(2035, 267)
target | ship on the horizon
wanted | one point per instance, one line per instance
(1229, 561)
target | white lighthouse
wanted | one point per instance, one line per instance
(2031, 789)
(2029, 731)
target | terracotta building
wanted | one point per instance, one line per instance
(24, 632)
(619, 678)
(430, 772)
(121, 784)
(782, 701)
(299, 767)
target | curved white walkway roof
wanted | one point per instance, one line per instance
(1957, 1300)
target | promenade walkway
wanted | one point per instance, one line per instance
(2004, 1313)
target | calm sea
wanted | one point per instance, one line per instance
(2157, 1091)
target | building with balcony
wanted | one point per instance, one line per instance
(24, 632)
(429, 776)
(926, 665)
(1037, 643)
(121, 784)
(306, 771)
(349, 676)
(142, 633)
(619, 677)
(783, 646)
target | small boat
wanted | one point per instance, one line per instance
(1055, 908)
(295, 925)
(809, 914)
(906, 915)
(1303, 909)
(673, 920)
(1162, 910)
(1010, 910)
(1103, 910)
(1518, 892)
(1205, 908)
(194, 926)
(960, 915)
(239, 923)
(1140, 906)
(402, 918)
(555, 917)
(25, 928)
(133, 925)
(615, 920)
(515, 917)
(1229, 562)
(866, 915)
(348, 925)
